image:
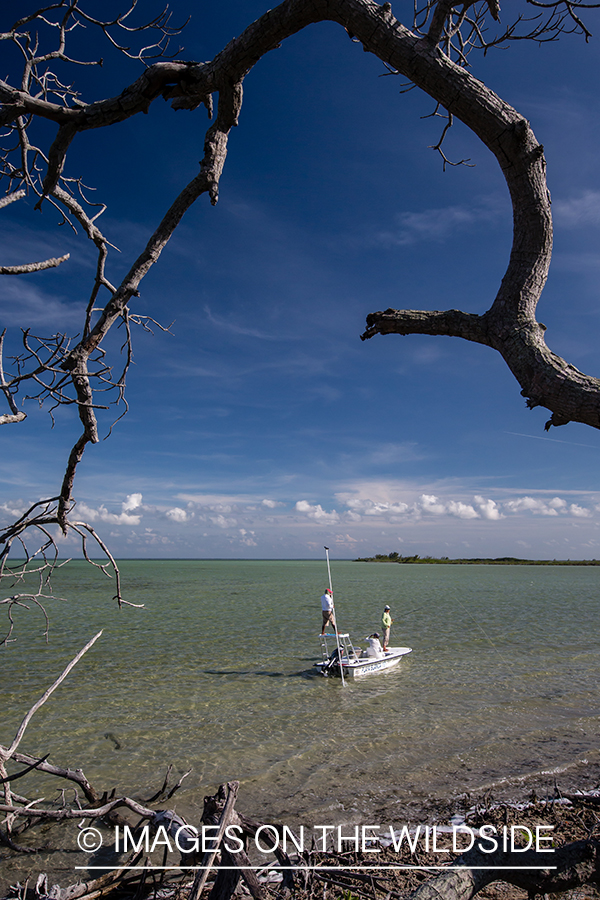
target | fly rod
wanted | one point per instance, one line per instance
(337, 637)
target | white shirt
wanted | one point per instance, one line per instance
(374, 649)
(326, 602)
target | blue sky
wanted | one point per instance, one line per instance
(262, 426)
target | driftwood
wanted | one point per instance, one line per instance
(216, 812)
(576, 864)
(321, 874)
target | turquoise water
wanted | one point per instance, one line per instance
(214, 675)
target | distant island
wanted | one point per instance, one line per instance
(499, 561)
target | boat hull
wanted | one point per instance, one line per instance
(360, 667)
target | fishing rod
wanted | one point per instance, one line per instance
(337, 637)
(416, 609)
(407, 613)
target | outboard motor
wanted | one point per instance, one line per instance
(331, 664)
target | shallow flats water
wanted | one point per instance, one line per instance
(215, 674)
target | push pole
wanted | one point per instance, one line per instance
(337, 637)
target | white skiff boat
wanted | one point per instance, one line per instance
(343, 659)
(356, 662)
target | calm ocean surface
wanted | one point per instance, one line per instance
(215, 675)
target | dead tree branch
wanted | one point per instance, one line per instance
(570, 867)
(432, 56)
(7, 753)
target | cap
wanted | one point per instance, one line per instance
(387, 607)
(328, 591)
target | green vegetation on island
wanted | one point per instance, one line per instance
(395, 557)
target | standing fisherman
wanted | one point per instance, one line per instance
(386, 623)
(327, 608)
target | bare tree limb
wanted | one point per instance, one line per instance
(562, 870)
(6, 753)
(28, 268)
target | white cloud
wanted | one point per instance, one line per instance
(462, 510)
(380, 500)
(132, 501)
(488, 508)
(370, 507)
(223, 522)
(226, 503)
(582, 210)
(15, 510)
(234, 326)
(177, 514)
(438, 224)
(556, 506)
(538, 507)
(89, 514)
(247, 538)
(557, 503)
(579, 511)
(439, 518)
(26, 305)
(317, 512)
(431, 505)
(341, 539)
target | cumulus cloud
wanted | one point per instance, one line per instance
(462, 510)
(395, 511)
(431, 505)
(103, 515)
(579, 511)
(341, 539)
(132, 501)
(352, 516)
(223, 522)
(317, 512)
(247, 538)
(488, 509)
(557, 503)
(537, 506)
(531, 504)
(15, 510)
(369, 501)
(177, 514)
(364, 513)
(376, 507)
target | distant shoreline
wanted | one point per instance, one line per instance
(479, 561)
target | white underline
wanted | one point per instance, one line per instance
(313, 868)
